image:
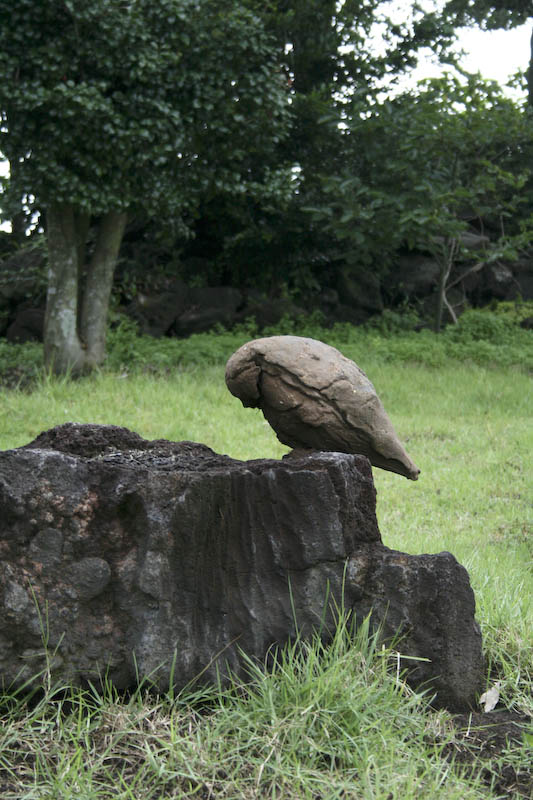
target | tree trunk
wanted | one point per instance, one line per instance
(98, 285)
(77, 303)
(63, 350)
(446, 263)
(440, 296)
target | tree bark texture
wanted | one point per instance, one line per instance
(445, 262)
(98, 285)
(78, 293)
(63, 350)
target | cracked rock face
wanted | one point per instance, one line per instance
(316, 399)
(165, 560)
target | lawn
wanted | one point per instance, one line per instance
(335, 723)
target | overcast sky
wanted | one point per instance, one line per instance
(497, 55)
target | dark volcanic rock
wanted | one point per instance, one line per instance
(27, 326)
(206, 307)
(182, 310)
(156, 314)
(159, 559)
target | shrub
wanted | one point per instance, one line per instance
(482, 337)
(478, 325)
(20, 364)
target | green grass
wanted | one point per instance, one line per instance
(335, 723)
(330, 723)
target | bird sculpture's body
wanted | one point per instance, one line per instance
(316, 399)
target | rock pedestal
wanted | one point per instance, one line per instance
(130, 559)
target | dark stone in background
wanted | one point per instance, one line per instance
(159, 559)
(27, 326)
(175, 309)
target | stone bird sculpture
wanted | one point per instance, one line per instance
(316, 399)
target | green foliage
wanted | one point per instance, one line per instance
(129, 352)
(490, 14)
(421, 167)
(135, 106)
(476, 325)
(327, 53)
(20, 364)
(26, 276)
(391, 322)
(424, 170)
(115, 109)
(514, 310)
(483, 337)
(87, 92)
(480, 337)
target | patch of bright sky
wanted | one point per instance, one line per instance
(496, 55)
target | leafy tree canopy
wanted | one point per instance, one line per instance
(131, 104)
(335, 56)
(490, 14)
(114, 108)
(425, 167)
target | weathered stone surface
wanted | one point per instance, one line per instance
(316, 399)
(155, 314)
(27, 326)
(414, 275)
(137, 558)
(523, 274)
(499, 280)
(206, 307)
(182, 310)
(360, 290)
